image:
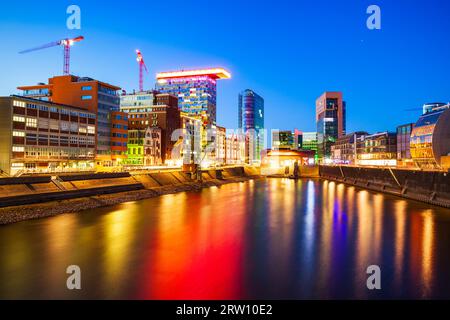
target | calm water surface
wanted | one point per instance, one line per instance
(268, 239)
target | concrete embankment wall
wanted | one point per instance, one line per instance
(31, 190)
(425, 186)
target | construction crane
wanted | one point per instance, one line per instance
(66, 44)
(142, 67)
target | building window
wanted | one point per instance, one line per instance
(18, 134)
(19, 104)
(86, 97)
(31, 123)
(86, 88)
(18, 119)
(18, 149)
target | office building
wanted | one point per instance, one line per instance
(282, 140)
(195, 89)
(91, 95)
(251, 122)
(404, 144)
(331, 122)
(39, 136)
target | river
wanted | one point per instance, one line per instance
(262, 239)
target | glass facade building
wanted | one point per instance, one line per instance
(404, 141)
(195, 89)
(251, 122)
(331, 122)
(430, 138)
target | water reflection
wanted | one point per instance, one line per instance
(262, 239)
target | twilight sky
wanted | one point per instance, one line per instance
(289, 52)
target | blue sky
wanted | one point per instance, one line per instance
(287, 51)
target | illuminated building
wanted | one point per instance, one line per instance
(282, 140)
(404, 143)
(235, 149)
(150, 110)
(191, 149)
(119, 136)
(331, 122)
(41, 137)
(276, 159)
(429, 107)
(195, 89)
(378, 149)
(430, 139)
(344, 151)
(221, 145)
(92, 95)
(309, 141)
(251, 122)
(305, 141)
(153, 147)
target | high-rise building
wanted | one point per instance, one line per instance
(42, 137)
(91, 95)
(195, 89)
(331, 122)
(251, 122)
(150, 110)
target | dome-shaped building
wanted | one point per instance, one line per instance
(430, 139)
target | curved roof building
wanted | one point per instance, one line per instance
(430, 139)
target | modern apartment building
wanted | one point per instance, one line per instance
(344, 151)
(378, 149)
(39, 136)
(91, 95)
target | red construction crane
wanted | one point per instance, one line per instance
(66, 43)
(142, 66)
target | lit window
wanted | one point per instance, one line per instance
(18, 134)
(18, 149)
(31, 123)
(19, 104)
(86, 88)
(18, 119)
(86, 98)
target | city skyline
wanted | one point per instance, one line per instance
(356, 67)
